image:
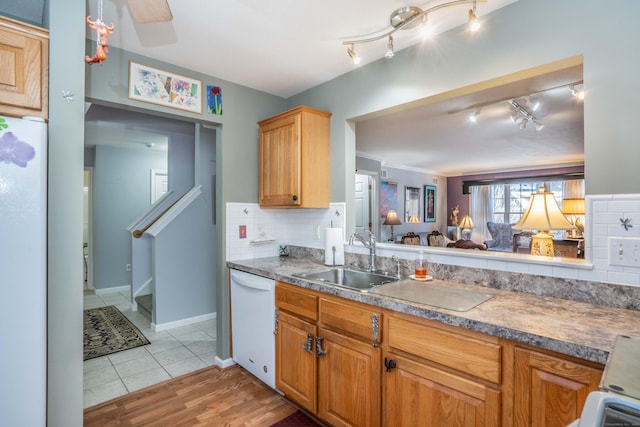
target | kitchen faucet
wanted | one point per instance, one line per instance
(371, 244)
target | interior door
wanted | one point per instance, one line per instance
(365, 202)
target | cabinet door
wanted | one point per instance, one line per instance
(550, 391)
(296, 374)
(279, 160)
(23, 74)
(349, 381)
(417, 394)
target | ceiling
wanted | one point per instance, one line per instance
(281, 47)
(298, 45)
(438, 137)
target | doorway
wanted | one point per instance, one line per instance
(87, 230)
(366, 201)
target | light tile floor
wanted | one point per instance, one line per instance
(172, 353)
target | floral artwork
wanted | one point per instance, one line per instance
(13, 150)
(164, 88)
(214, 100)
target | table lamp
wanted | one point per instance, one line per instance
(413, 219)
(575, 208)
(543, 214)
(466, 225)
(392, 219)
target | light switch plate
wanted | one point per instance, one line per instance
(624, 251)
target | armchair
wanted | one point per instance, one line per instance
(501, 237)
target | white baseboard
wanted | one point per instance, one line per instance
(105, 291)
(223, 363)
(182, 322)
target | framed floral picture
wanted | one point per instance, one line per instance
(152, 85)
(430, 203)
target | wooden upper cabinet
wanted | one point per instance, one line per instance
(24, 69)
(294, 159)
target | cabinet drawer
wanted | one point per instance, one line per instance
(296, 300)
(354, 318)
(464, 353)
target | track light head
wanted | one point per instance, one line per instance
(355, 58)
(577, 90)
(474, 25)
(389, 53)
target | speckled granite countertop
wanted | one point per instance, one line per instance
(573, 328)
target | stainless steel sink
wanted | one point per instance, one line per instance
(349, 278)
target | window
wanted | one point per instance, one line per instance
(510, 200)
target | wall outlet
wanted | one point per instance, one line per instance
(316, 232)
(624, 251)
(127, 267)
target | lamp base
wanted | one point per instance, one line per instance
(542, 244)
(466, 233)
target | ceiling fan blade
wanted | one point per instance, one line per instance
(148, 11)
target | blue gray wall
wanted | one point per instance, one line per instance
(122, 188)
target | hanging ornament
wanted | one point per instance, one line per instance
(102, 44)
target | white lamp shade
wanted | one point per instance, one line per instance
(466, 222)
(543, 214)
(392, 218)
(573, 206)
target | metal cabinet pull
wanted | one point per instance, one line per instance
(308, 346)
(375, 328)
(319, 350)
(389, 364)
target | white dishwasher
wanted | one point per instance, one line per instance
(252, 324)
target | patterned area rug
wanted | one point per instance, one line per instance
(297, 419)
(107, 330)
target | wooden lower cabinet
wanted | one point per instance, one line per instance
(349, 381)
(550, 391)
(296, 374)
(442, 375)
(322, 362)
(416, 394)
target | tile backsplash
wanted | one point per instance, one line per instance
(267, 229)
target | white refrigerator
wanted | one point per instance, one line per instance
(23, 271)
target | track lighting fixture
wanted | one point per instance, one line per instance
(406, 18)
(521, 116)
(355, 58)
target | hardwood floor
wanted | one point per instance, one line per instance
(208, 397)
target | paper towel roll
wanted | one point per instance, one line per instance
(333, 247)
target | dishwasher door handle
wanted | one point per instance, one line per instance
(252, 282)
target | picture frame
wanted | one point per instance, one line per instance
(412, 204)
(430, 199)
(148, 84)
(388, 197)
